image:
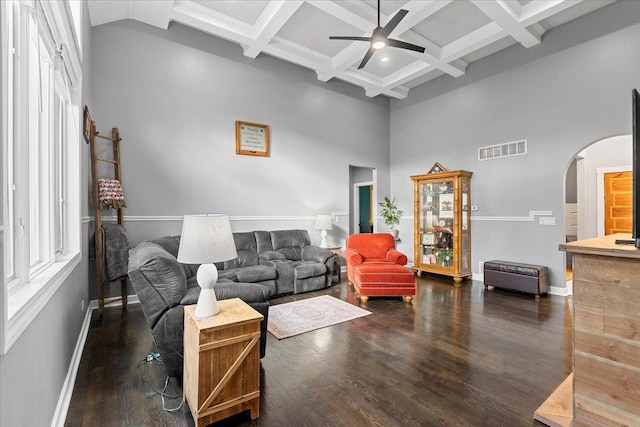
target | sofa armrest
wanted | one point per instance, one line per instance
(396, 257)
(352, 257)
(316, 254)
(271, 256)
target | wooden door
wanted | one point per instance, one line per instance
(618, 205)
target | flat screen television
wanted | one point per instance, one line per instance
(635, 124)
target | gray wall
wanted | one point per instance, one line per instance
(33, 372)
(175, 96)
(568, 92)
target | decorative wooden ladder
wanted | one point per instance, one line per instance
(115, 139)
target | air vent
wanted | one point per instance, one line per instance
(509, 149)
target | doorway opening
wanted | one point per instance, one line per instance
(586, 207)
(362, 218)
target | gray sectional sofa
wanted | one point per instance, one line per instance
(283, 260)
(269, 263)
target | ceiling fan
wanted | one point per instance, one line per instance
(380, 37)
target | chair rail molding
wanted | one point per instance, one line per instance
(528, 218)
(170, 218)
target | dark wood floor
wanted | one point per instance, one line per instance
(455, 357)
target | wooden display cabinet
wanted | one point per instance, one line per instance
(442, 223)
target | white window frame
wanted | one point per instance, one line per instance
(28, 286)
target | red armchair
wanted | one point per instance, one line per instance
(376, 268)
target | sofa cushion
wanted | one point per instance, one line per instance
(306, 269)
(162, 270)
(290, 242)
(228, 274)
(247, 250)
(172, 244)
(255, 273)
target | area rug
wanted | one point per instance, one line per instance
(294, 318)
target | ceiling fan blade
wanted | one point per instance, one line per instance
(393, 23)
(364, 39)
(404, 45)
(367, 57)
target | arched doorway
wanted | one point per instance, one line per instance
(585, 186)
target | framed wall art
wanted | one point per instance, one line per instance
(86, 124)
(252, 139)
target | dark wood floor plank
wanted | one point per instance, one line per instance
(454, 357)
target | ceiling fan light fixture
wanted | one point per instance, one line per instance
(380, 37)
(378, 42)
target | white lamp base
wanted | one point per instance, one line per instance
(207, 303)
(323, 243)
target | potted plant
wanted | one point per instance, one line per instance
(391, 215)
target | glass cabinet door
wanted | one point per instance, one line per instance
(465, 235)
(437, 208)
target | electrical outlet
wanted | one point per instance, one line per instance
(547, 220)
(481, 267)
(474, 208)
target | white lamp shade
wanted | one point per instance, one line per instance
(323, 222)
(206, 239)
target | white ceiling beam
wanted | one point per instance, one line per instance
(398, 93)
(345, 15)
(514, 5)
(537, 10)
(105, 11)
(502, 13)
(204, 19)
(289, 51)
(406, 74)
(272, 19)
(419, 10)
(152, 12)
(473, 41)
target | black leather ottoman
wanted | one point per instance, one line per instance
(529, 278)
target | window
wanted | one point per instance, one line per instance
(41, 140)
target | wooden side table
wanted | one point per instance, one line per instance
(337, 265)
(222, 362)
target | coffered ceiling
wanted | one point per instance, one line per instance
(454, 33)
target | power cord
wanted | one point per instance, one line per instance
(163, 393)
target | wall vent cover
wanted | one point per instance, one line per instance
(508, 149)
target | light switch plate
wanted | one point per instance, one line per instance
(547, 220)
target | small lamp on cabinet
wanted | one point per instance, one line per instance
(206, 239)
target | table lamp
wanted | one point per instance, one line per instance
(323, 222)
(206, 239)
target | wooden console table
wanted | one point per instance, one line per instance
(222, 362)
(604, 389)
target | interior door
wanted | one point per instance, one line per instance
(618, 207)
(365, 223)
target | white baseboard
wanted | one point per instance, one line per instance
(556, 290)
(131, 299)
(64, 400)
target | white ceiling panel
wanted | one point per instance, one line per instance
(453, 33)
(248, 12)
(318, 26)
(455, 20)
